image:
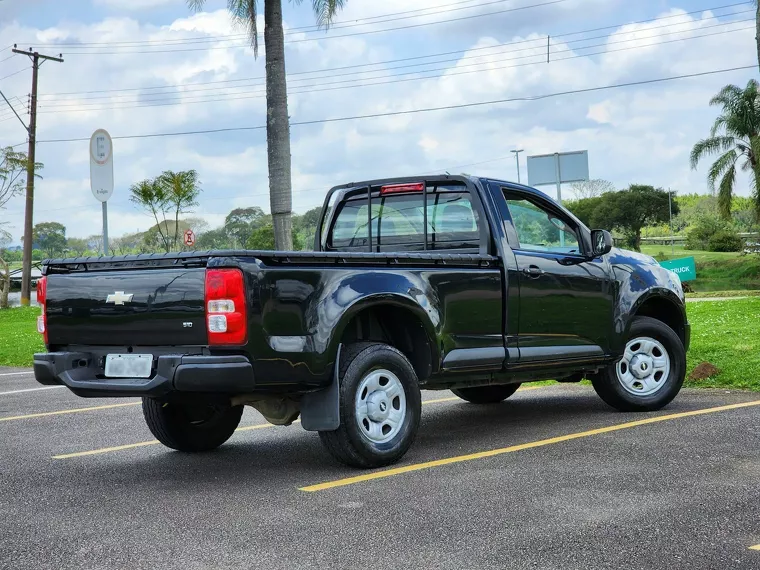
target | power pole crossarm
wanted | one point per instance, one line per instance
(26, 272)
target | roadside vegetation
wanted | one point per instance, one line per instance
(724, 333)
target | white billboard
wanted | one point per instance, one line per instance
(558, 167)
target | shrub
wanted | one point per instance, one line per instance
(724, 240)
(705, 227)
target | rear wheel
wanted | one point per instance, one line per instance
(191, 424)
(487, 394)
(651, 371)
(380, 407)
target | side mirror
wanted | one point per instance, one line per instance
(601, 242)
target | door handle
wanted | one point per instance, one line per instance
(533, 271)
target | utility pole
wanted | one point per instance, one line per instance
(517, 161)
(26, 270)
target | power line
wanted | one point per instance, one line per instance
(352, 84)
(364, 33)
(15, 73)
(423, 110)
(290, 31)
(181, 97)
(336, 25)
(401, 60)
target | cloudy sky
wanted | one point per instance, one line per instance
(137, 67)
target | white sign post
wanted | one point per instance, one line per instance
(101, 174)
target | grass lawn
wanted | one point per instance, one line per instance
(716, 271)
(724, 333)
(19, 339)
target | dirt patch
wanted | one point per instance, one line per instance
(703, 371)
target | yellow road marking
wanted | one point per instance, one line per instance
(73, 411)
(141, 444)
(493, 452)
(247, 428)
(756, 547)
(106, 449)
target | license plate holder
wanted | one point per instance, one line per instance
(129, 365)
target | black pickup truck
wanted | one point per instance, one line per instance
(436, 282)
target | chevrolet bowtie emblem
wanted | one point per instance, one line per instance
(119, 298)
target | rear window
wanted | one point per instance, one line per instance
(398, 222)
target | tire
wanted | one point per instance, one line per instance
(651, 372)
(380, 407)
(487, 394)
(191, 425)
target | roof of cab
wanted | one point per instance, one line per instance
(442, 178)
(517, 186)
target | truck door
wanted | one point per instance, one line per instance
(566, 299)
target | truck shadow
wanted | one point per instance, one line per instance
(282, 459)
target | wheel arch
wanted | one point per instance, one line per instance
(395, 320)
(664, 306)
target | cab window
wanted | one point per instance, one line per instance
(539, 229)
(398, 222)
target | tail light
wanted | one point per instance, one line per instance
(41, 299)
(225, 307)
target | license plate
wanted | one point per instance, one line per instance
(129, 365)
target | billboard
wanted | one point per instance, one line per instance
(558, 167)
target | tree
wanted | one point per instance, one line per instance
(214, 239)
(734, 135)
(278, 122)
(13, 173)
(172, 194)
(632, 209)
(263, 239)
(77, 246)
(585, 209)
(50, 237)
(591, 188)
(757, 30)
(241, 222)
(5, 271)
(181, 190)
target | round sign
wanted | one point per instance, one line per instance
(189, 238)
(101, 146)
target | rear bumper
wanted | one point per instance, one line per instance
(82, 372)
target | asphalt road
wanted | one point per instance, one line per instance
(572, 484)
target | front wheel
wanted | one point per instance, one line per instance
(486, 394)
(380, 407)
(191, 424)
(650, 373)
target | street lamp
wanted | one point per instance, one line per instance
(517, 161)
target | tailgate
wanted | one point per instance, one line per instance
(134, 307)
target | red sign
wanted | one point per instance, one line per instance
(189, 238)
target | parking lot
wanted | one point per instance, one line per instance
(551, 478)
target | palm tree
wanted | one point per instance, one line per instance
(278, 124)
(757, 29)
(181, 190)
(735, 135)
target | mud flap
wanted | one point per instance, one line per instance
(320, 411)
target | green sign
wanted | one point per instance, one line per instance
(684, 268)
